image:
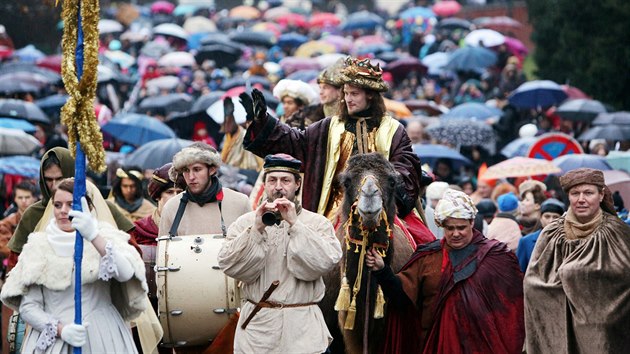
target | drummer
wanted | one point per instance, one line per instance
(204, 207)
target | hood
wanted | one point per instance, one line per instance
(67, 168)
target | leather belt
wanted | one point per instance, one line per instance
(277, 305)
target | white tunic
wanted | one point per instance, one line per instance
(295, 255)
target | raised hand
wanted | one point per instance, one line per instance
(248, 103)
(260, 105)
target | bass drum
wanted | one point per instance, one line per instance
(195, 298)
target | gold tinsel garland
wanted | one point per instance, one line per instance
(78, 113)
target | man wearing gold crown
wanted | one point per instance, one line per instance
(362, 126)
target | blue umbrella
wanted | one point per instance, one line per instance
(431, 153)
(471, 59)
(17, 124)
(573, 161)
(26, 166)
(537, 94)
(518, 147)
(473, 110)
(156, 153)
(362, 20)
(292, 40)
(304, 75)
(137, 129)
(374, 49)
(416, 12)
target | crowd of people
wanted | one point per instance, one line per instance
(535, 263)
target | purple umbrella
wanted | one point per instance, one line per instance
(292, 64)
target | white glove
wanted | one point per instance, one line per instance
(84, 222)
(74, 334)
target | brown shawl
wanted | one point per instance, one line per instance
(577, 293)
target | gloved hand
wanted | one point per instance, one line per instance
(74, 334)
(248, 104)
(84, 222)
(260, 105)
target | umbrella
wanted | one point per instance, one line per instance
(291, 64)
(293, 20)
(581, 109)
(607, 132)
(292, 40)
(25, 166)
(222, 54)
(186, 9)
(127, 13)
(616, 118)
(326, 60)
(170, 29)
(376, 49)
(573, 92)
(177, 59)
(452, 23)
(498, 22)
(471, 59)
(17, 124)
(429, 107)
(618, 181)
(33, 78)
(163, 7)
(304, 75)
(369, 40)
(109, 26)
(199, 24)
(51, 62)
(155, 154)
(343, 44)
(362, 20)
(137, 129)
(572, 161)
(17, 142)
(29, 54)
(165, 104)
(537, 94)
(463, 132)
(121, 58)
(400, 68)
(51, 105)
(516, 47)
(254, 38)
(241, 81)
(22, 109)
(314, 48)
(205, 101)
(431, 153)
(413, 13)
(155, 49)
(446, 8)
(435, 63)
(324, 19)
(518, 147)
(244, 12)
(168, 82)
(8, 87)
(397, 109)
(484, 37)
(619, 160)
(276, 13)
(216, 112)
(473, 110)
(521, 167)
(272, 27)
(272, 101)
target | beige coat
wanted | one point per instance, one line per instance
(207, 219)
(295, 255)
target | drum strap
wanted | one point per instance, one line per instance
(178, 216)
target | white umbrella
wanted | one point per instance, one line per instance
(177, 59)
(216, 112)
(326, 60)
(485, 37)
(170, 29)
(17, 142)
(199, 24)
(168, 82)
(109, 26)
(435, 62)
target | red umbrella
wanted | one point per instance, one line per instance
(446, 8)
(5, 52)
(400, 68)
(292, 19)
(52, 62)
(163, 7)
(574, 92)
(324, 19)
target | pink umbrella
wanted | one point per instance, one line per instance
(343, 44)
(369, 40)
(446, 8)
(163, 7)
(324, 19)
(574, 92)
(516, 47)
(292, 19)
(292, 64)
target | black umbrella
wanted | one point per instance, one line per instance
(205, 101)
(464, 132)
(222, 54)
(156, 154)
(51, 105)
(581, 109)
(401, 67)
(9, 87)
(21, 109)
(452, 23)
(240, 81)
(166, 104)
(617, 118)
(608, 132)
(254, 38)
(183, 125)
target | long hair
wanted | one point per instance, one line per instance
(375, 103)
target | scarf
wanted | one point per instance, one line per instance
(213, 193)
(575, 229)
(62, 242)
(130, 207)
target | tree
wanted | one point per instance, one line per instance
(584, 43)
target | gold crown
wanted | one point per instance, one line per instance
(363, 74)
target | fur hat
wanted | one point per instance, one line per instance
(160, 182)
(196, 152)
(331, 75)
(362, 73)
(295, 89)
(529, 185)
